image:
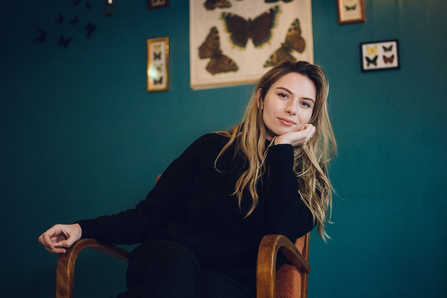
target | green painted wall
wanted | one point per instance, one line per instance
(81, 137)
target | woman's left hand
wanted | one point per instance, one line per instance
(297, 138)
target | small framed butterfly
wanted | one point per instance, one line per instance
(158, 64)
(379, 55)
(351, 11)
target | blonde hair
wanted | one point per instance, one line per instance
(310, 160)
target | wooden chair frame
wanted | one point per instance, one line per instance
(266, 267)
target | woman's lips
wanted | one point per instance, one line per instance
(286, 122)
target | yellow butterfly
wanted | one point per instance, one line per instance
(371, 51)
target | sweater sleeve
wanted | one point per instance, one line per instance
(162, 205)
(286, 212)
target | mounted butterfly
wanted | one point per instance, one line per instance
(294, 41)
(210, 48)
(258, 29)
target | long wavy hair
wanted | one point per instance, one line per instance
(310, 160)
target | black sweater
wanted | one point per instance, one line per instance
(193, 204)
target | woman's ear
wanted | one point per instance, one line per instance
(259, 102)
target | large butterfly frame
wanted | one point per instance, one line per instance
(236, 42)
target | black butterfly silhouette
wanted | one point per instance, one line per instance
(258, 29)
(75, 2)
(64, 42)
(371, 61)
(212, 4)
(74, 21)
(157, 55)
(88, 5)
(90, 28)
(350, 7)
(60, 19)
(389, 59)
(387, 49)
(294, 41)
(42, 36)
(210, 48)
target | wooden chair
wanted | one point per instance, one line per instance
(289, 282)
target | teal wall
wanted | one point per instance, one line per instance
(81, 137)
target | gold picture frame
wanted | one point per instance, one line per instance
(351, 11)
(158, 64)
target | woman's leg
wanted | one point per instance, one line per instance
(162, 268)
(215, 284)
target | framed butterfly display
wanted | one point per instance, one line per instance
(379, 55)
(350, 11)
(158, 64)
(235, 42)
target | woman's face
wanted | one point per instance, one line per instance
(288, 104)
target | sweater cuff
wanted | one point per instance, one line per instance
(280, 158)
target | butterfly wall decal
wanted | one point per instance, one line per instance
(42, 35)
(371, 50)
(387, 49)
(294, 41)
(348, 8)
(210, 48)
(258, 30)
(371, 61)
(63, 42)
(212, 4)
(389, 59)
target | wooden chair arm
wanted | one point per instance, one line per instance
(66, 263)
(266, 266)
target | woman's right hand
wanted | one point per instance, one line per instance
(60, 237)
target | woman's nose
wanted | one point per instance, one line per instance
(291, 108)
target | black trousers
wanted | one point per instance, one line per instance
(166, 269)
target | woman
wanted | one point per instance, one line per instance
(201, 225)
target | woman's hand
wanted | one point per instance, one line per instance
(59, 237)
(297, 138)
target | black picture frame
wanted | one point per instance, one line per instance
(379, 55)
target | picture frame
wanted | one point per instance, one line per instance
(225, 44)
(351, 11)
(154, 4)
(379, 55)
(158, 64)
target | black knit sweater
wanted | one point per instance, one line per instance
(193, 204)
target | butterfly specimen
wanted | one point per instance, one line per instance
(212, 4)
(385, 49)
(389, 59)
(159, 81)
(259, 29)
(371, 50)
(348, 8)
(210, 48)
(157, 55)
(371, 61)
(294, 41)
(42, 36)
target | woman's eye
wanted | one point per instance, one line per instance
(283, 95)
(305, 104)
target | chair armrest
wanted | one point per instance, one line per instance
(266, 266)
(66, 263)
